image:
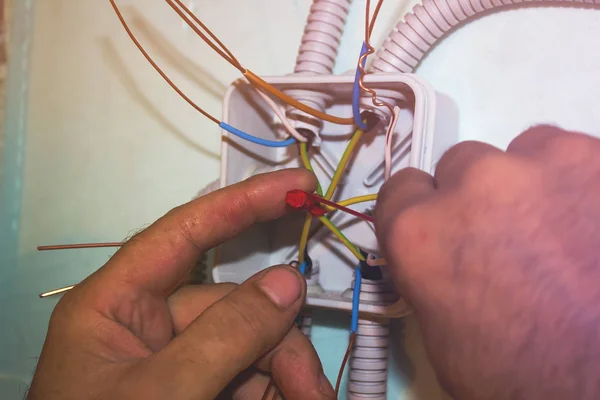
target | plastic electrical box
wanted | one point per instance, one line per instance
(427, 127)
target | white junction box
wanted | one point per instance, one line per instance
(427, 127)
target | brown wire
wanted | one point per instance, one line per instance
(251, 77)
(344, 362)
(374, 19)
(261, 83)
(225, 53)
(157, 68)
(80, 246)
(369, 25)
(268, 389)
(232, 59)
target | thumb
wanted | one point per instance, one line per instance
(228, 337)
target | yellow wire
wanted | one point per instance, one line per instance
(307, 165)
(304, 237)
(342, 238)
(358, 199)
(258, 81)
(330, 191)
(308, 219)
(353, 200)
(337, 176)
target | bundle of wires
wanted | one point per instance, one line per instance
(265, 91)
(261, 86)
(353, 326)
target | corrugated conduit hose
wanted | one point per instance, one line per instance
(426, 24)
(317, 55)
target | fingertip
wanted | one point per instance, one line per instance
(284, 286)
(535, 138)
(307, 180)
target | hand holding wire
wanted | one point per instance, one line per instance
(121, 321)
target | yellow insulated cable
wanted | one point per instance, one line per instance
(304, 237)
(307, 164)
(353, 200)
(339, 172)
(342, 238)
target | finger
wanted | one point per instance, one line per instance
(535, 139)
(296, 369)
(406, 224)
(294, 363)
(459, 160)
(227, 338)
(157, 259)
(187, 303)
(556, 147)
(404, 189)
(249, 385)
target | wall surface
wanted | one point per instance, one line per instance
(97, 145)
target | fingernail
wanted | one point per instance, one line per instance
(326, 387)
(282, 286)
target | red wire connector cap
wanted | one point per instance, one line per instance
(300, 200)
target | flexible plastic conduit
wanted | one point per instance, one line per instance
(369, 363)
(426, 24)
(317, 54)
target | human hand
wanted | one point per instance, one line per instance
(130, 331)
(498, 255)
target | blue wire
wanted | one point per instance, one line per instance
(302, 268)
(356, 93)
(356, 300)
(254, 139)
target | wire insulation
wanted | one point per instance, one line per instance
(268, 389)
(369, 25)
(356, 299)
(259, 82)
(339, 172)
(358, 121)
(224, 52)
(306, 162)
(347, 210)
(302, 268)
(80, 246)
(358, 199)
(388, 144)
(254, 139)
(281, 115)
(157, 68)
(353, 249)
(344, 362)
(304, 237)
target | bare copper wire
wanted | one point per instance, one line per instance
(228, 56)
(344, 362)
(80, 246)
(56, 291)
(157, 68)
(369, 25)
